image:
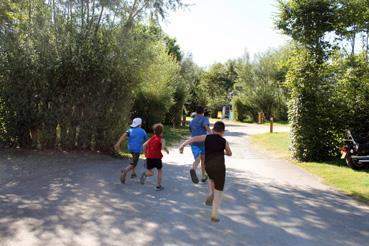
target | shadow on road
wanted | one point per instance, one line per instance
(78, 200)
(235, 134)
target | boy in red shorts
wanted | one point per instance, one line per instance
(152, 149)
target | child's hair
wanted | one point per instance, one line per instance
(199, 110)
(158, 129)
(219, 126)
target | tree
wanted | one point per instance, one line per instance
(66, 66)
(324, 77)
(308, 22)
(214, 85)
(259, 86)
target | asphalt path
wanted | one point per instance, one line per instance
(55, 199)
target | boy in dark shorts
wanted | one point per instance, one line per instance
(215, 149)
(136, 137)
(152, 149)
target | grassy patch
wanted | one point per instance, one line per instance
(278, 123)
(335, 173)
(172, 137)
(338, 175)
(276, 142)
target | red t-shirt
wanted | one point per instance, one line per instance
(153, 148)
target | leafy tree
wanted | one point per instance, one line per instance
(214, 85)
(323, 75)
(308, 22)
(69, 69)
(191, 74)
(259, 86)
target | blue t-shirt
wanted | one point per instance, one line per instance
(197, 126)
(136, 137)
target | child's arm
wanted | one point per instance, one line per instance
(144, 146)
(206, 125)
(192, 140)
(228, 150)
(208, 129)
(121, 139)
(163, 147)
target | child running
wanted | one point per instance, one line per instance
(136, 137)
(199, 125)
(152, 149)
(215, 149)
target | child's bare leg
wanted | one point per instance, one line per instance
(133, 170)
(158, 180)
(196, 163)
(194, 178)
(129, 168)
(202, 159)
(216, 205)
(210, 198)
(203, 173)
(124, 173)
(211, 188)
(149, 173)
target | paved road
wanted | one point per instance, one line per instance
(69, 199)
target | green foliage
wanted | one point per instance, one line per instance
(307, 22)
(156, 92)
(352, 94)
(244, 110)
(213, 85)
(329, 85)
(70, 70)
(312, 120)
(259, 86)
(191, 75)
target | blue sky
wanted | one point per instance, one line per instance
(218, 30)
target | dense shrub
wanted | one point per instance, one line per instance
(156, 92)
(69, 71)
(310, 108)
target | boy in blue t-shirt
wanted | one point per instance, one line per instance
(136, 137)
(199, 125)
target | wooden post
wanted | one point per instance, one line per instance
(184, 120)
(271, 124)
(261, 118)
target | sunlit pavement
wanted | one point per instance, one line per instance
(77, 199)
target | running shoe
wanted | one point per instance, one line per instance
(215, 220)
(209, 201)
(158, 188)
(143, 178)
(194, 178)
(123, 177)
(204, 178)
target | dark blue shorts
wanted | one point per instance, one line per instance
(197, 150)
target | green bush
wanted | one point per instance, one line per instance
(156, 94)
(310, 108)
(69, 72)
